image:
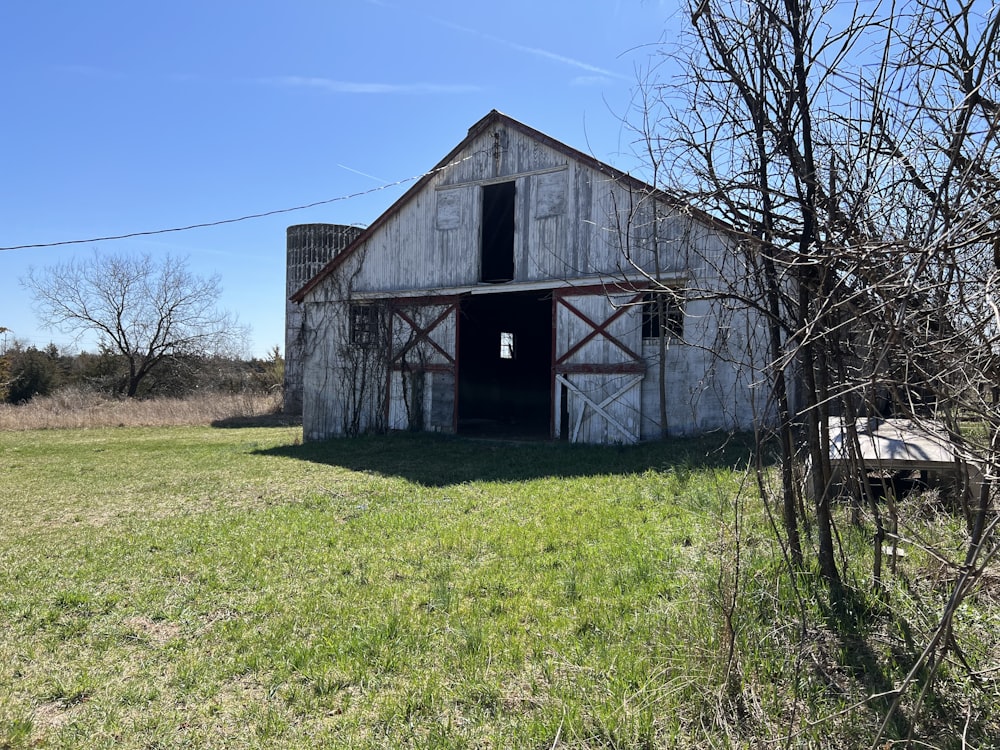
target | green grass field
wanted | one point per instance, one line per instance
(205, 587)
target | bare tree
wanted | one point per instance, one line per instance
(145, 310)
(856, 157)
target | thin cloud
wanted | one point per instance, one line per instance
(363, 174)
(363, 87)
(559, 58)
(536, 51)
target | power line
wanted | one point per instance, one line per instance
(217, 223)
(221, 222)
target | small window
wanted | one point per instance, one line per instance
(662, 312)
(506, 345)
(364, 325)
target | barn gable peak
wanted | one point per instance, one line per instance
(503, 127)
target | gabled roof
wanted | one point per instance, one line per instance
(494, 118)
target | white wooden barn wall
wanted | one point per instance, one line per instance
(710, 380)
(422, 375)
(567, 222)
(604, 406)
(343, 385)
(713, 377)
(709, 376)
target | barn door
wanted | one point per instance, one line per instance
(422, 364)
(597, 366)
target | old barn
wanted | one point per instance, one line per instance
(522, 287)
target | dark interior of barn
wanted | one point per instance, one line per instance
(504, 365)
(497, 246)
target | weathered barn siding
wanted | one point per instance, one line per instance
(711, 375)
(422, 400)
(565, 224)
(344, 386)
(599, 366)
(584, 234)
(422, 367)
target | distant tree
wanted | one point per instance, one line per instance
(269, 373)
(27, 372)
(143, 309)
(98, 371)
(4, 367)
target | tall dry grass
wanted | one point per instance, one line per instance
(80, 408)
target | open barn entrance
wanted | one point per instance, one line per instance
(505, 365)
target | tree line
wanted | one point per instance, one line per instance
(27, 372)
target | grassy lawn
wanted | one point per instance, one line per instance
(204, 587)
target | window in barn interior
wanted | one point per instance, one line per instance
(506, 345)
(497, 241)
(662, 312)
(364, 325)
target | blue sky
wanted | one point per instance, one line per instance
(122, 117)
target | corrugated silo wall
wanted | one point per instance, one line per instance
(310, 247)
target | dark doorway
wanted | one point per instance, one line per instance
(497, 249)
(505, 365)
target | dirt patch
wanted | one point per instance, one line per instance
(55, 714)
(155, 631)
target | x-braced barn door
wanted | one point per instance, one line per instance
(422, 364)
(598, 370)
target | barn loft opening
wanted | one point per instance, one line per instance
(505, 365)
(497, 243)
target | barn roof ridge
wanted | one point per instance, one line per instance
(495, 116)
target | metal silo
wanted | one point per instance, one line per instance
(309, 247)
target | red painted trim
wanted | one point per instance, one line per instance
(458, 365)
(620, 368)
(598, 329)
(423, 334)
(396, 312)
(554, 392)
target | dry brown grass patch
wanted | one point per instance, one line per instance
(54, 714)
(156, 631)
(75, 408)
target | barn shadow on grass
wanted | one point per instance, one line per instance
(436, 461)
(258, 420)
